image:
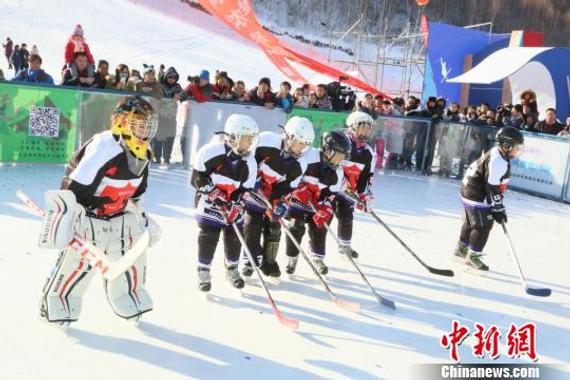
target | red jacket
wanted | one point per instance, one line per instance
(201, 94)
(70, 49)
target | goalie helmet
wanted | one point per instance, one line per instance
(236, 128)
(360, 125)
(136, 122)
(298, 130)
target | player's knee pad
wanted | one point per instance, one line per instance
(63, 292)
(127, 294)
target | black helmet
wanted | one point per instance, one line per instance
(509, 136)
(335, 142)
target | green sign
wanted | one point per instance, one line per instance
(322, 120)
(37, 124)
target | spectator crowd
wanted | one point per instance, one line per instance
(80, 69)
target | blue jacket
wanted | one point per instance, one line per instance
(285, 103)
(29, 75)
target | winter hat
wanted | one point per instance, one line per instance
(518, 108)
(77, 31)
(171, 71)
(148, 69)
(205, 74)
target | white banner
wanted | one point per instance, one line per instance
(207, 118)
(542, 166)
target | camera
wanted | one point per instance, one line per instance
(193, 79)
(342, 97)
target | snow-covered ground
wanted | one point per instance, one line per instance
(236, 336)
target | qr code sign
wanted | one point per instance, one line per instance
(44, 121)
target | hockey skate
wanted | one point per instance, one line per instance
(232, 275)
(247, 269)
(346, 249)
(291, 265)
(320, 265)
(474, 261)
(461, 252)
(204, 279)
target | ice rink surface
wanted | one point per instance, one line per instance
(233, 335)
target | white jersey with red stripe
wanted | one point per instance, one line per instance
(359, 166)
(217, 166)
(104, 175)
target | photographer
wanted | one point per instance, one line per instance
(517, 118)
(199, 88)
(120, 79)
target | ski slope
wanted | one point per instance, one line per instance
(229, 335)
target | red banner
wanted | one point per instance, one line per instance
(239, 15)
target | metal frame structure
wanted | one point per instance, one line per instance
(405, 51)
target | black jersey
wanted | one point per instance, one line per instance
(359, 167)
(217, 166)
(486, 179)
(278, 173)
(320, 174)
(104, 175)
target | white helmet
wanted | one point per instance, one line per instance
(238, 126)
(299, 129)
(354, 120)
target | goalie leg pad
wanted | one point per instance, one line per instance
(126, 293)
(60, 218)
(64, 289)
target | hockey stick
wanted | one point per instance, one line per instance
(289, 322)
(347, 305)
(383, 300)
(538, 292)
(91, 254)
(440, 272)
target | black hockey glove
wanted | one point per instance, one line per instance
(499, 213)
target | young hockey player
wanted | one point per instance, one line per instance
(280, 166)
(321, 181)
(100, 199)
(224, 171)
(358, 171)
(484, 184)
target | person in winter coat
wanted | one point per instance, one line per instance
(322, 100)
(283, 98)
(517, 118)
(550, 124)
(239, 92)
(8, 47)
(528, 97)
(16, 59)
(78, 74)
(366, 105)
(452, 113)
(119, 80)
(164, 139)
(35, 73)
(149, 86)
(199, 88)
(222, 89)
(102, 74)
(25, 55)
(76, 43)
(261, 94)
(134, 79)
(300, 99)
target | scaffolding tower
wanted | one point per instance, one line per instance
(394, 64)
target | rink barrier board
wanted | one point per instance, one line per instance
(63, 118)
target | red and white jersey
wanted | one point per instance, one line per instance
(104, 175)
